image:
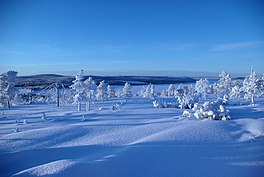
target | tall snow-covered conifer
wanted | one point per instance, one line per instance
(224, 84)
(89, 92)
(79, 87)
(170, 90)
(251, 86)
(110, 92)
(201, 87)
(101, 91)
(126, 91)
(148, 92)
(7, 88)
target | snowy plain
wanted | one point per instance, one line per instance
(136, 141)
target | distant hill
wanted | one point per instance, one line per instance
(43, 80)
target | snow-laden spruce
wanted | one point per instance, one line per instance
(201, 87)
(101, 93)
(111, 93)
(126, 91)
(236, 92)
(252, 86)
(90, 89)
(7, 88)
(148, 92)
(79, 87)
(186, 96)
(84, 90)
(224, 84)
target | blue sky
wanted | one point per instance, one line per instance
(131, 37)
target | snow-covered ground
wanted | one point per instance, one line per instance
(137, 140)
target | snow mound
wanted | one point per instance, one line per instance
(51, 168)
(253, 128)
(250, 164)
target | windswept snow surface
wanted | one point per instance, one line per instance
(138, 140)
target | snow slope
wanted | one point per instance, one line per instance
(136, 141)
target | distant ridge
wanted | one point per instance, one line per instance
(42, 80)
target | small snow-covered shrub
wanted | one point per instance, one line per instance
(225, 99)
(196, 107)
(164, 104)
(83, 118)
(186, 114)
(116, 106)
(103, 108)
(15, 130)
(43, 116)
(159, 104)
(211, 110)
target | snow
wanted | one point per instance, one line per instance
(136, 140)
(47, 169)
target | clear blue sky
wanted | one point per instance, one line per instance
(131, 36)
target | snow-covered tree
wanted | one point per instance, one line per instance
(185, 101)
(163, 93)
(170, 90)
(101, 91)
(148, 92)
(7, 88)
(201, 87)
(79, 87)
(224, 84)
(52, 93)
(159, 104)
(3, 90)
(126, 91)
(185, 96)
(89, 92)
(23, 96)
(110, 92)
(251, 86)
(179, 92)
(67, 96)
(236, 92)
(152, 93)
(262, 85)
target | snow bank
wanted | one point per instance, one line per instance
(51, 168)
(138, 136)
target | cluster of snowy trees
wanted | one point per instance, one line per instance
(85, 92)
(195, 98)
(80, 92)
(225, 88)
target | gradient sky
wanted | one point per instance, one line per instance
(131, 36)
